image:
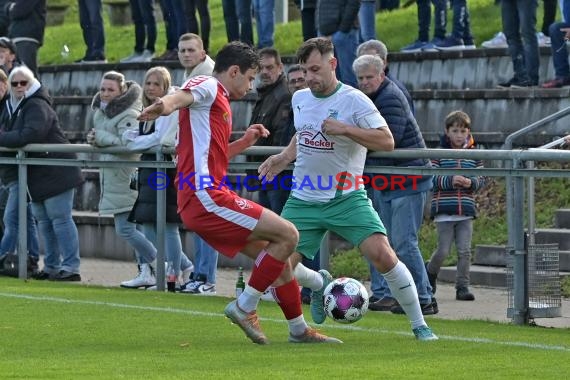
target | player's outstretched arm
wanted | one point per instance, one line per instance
(252, 133)
(277, 163)
(166, 105)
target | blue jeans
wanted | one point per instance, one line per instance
(264, 11)
(145, 251)
(91, 21)
(205, 259)
(10, 238)
(519, 26)
(402, 218)
(424, 19)
(174, 22)
(58, 233)
(273, 199)
(172, 244)
(559, 51)
(367, 20)
(237, 15)
(461, 21)
(345, 45)
(142, 12)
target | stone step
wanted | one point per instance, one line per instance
(467, 69)
(97, 238)
(483, 275)
(562, 218)
(496, 255)
(487, 107)
(561, 236)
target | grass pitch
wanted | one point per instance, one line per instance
(67, 331)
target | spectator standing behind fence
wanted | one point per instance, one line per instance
(161, 131)
(9, 178)
(27, 27)
(519, 26)
(376, 47)
(453, 206)
(190, 8)
(237, 15)
(116, 106)
(338, 19)
(51, 188)
(401, 209)
(174, 26)
(308, 22)
(367, 20)
(196, 62)
(559, 34)
(142, 13)
(91, 21)
(272, 111)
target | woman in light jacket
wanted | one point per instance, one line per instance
(116, 106)
(161, 131)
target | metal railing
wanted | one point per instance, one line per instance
(514, 171)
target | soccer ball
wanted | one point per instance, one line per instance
(345, 300)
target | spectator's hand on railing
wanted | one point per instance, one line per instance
(91, 137)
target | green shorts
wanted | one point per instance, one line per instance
(350, 216)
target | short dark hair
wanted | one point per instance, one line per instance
(458, 117)
(270, 52)
(322, 45)
(293, 68)
(236, 53)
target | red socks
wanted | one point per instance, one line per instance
(265, 271)
(289, 299)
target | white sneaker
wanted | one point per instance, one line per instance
(146, 56)
(185, 274)
(543, 40)
(498, 41)
(144, 279)
(205, 289)
(131, 58)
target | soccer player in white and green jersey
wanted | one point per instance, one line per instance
(336, 125)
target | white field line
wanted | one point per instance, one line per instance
(336, 326)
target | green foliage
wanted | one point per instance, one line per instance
(350, 264)
(397, 28)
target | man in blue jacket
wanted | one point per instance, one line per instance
(399, 200)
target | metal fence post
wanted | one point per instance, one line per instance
(515, 222)
(22, 216)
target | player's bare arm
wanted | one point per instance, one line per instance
(166, 105)
(278, 162)
(251, 135)
(372, 139)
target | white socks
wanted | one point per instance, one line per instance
(308, 278)
(403, 289)
(248, 299)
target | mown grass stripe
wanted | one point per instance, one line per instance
(339, 327)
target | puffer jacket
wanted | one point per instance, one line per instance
(34, 121)
(394, 107)
(110, 124)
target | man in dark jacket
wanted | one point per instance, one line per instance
(399, 200)
(272, 110)
(27, 27)
(338, 19)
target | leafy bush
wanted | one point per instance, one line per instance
(350, 264)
